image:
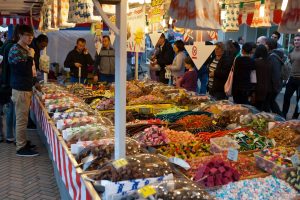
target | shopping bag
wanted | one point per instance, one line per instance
(228, 84)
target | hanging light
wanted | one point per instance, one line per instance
(262, 8)
(284, 4)
(223, 12)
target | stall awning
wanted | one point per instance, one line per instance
(5, 21)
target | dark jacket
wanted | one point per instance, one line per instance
(21, 68)
(75, 57)
(165, 57)
(221, 74)
(276, 63)
(241, 76)
(263, 85)
(189, 81)
(37, 53)
(105, 61)
(5, 89)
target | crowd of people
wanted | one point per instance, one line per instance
(259, 71)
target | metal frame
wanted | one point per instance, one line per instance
(120, 73)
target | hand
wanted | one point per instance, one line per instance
(38, 86)
(85, 51)
(211, 74)
(78, 65)
(31, 52)
(95, 78)
(168, 67)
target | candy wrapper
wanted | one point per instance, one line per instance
(68, 115)
(49, 102)
(293, 178)
(152, 136)
(268, 188)
(133, 167)
(87, 133)
(106, 104)
(75, 122)
(170, 189)
(62, 106)
(147, 99)
(95, 156)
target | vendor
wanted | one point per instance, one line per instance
(104, 67)
(38, 44)
(79, 58)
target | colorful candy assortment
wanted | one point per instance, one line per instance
(268, 188)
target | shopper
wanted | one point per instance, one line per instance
(177, 68)
(21, 61)
(241, 85)
(8, 108)
(78, 60)
(164, 57)
(276, 36)
(39, 44)
(104, 66)
(293, 83)
(190, 77)
(261, 40)
(275, 58)
(219, 70)
(263, 85)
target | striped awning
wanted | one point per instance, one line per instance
(5, 21)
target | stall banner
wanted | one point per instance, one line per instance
(230, 23)
(197, 15)
(154, 38)
(72, 180)
(259, 21)
(136, 20)
(199, 52)
(290, 22)
(155, 15)
(121, 188)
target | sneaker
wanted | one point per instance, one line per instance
(10, 140)
(26, 152)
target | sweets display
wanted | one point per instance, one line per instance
(184, 150)
(103, 153)
(268, 188)
(135, 167)
(221, 144)
(293, 178)
(195, 121)
(249, 140)
(152, 136)
(206, 136)
(276, 161)
(179, 136)
(147, 99)
(68, 115)
(106, 104)
(284, 136)
(215, 173)
(173, 117)
(75, 122)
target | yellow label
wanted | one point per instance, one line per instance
(120, 163)
(214, 122)
(147, 191)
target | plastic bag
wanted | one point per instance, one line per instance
(134, 167)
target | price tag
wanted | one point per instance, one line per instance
(295, 160)
(120, 163)
(147, 191)
(180, 162)
(233, 154)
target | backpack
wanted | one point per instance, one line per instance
(286, 67)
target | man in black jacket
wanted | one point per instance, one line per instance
(165, 57)
(79, 59)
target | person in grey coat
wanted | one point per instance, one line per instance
(104, 67)
(276, 60)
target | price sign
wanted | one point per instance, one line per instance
(120, 163)
(147, 191)
(233, 154)
(295, 160)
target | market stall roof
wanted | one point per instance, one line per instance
(20, 7)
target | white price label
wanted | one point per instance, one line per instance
(233, 154)
(295, 160)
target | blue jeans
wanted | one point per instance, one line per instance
(76, 80)
(109, 78)
(10, 116)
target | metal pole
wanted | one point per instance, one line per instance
(136, 65)
(120, 80)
